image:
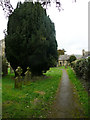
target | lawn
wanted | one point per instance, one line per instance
(33, 100)
(82, 93)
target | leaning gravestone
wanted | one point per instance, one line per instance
(27, 76)
(18, 79)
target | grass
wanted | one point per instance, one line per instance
(82, 93)
(33, 100)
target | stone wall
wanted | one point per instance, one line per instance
(62, 63)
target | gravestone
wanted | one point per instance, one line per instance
(27, 77)
(18, 79)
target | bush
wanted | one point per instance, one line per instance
(77, 68)
(4, 67)
(82, 68)
(88, 68)
(72, 58)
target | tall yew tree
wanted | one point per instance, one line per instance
(31, 39)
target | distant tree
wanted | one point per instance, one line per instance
(6, 6)
(61, 52)
(72, 58)
(31, 39)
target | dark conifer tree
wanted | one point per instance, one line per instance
(31, 39)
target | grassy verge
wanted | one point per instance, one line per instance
(32, 101)
(82, 93)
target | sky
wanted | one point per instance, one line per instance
(71, 24)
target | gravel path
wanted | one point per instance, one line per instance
(66, 104)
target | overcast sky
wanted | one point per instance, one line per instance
(71, 25)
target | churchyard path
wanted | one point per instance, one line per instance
(67, 104)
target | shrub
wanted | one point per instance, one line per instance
(72, 58)
(82, 68)
(77, 68)
(88, 68)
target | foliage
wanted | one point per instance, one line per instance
(31, 39)
(82, 68)
(34, 100)
(82, 94)
(72, 58)
(61, 52)
(8, 8)
(88, 68)
(4, 66)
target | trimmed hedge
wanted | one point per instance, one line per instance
(82, 68)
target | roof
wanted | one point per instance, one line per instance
(66, 57)
(78, 56)
(63, 57)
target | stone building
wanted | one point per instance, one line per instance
(85, 54)
(63, 60)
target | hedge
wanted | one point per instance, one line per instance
(82, 68)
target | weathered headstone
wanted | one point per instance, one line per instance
(27, 76)
(18, 79)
